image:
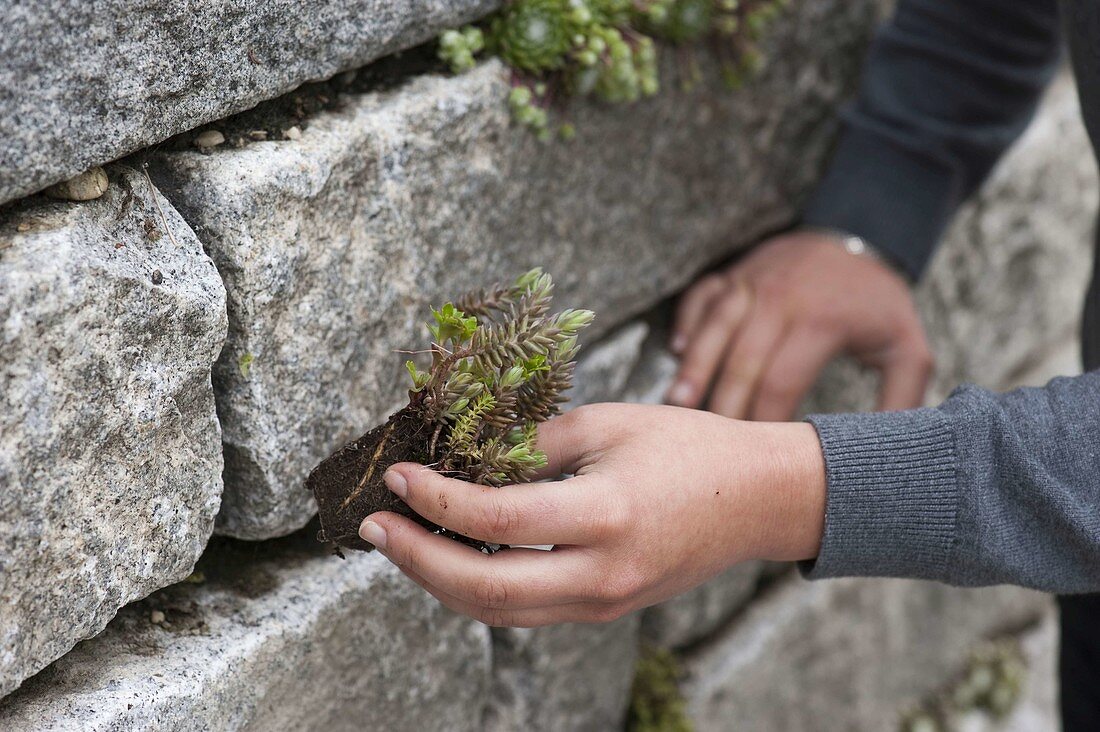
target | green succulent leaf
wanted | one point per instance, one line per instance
(451, 324)
(533, 365)
(419, 378)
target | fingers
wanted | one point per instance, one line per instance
(582, 612)
(722, 319)
(570, 511)
(905, 375)
(745, 363)
(516, 579)
(792, 372)
(692, 309)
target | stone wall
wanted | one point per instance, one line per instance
(178, 353)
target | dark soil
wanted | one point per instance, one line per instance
(348, 485)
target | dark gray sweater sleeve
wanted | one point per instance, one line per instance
(984, 489)
(948, 85)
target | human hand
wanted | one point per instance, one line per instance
(762, 330)
(661, 500)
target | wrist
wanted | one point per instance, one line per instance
(795, 493)
(859, 247)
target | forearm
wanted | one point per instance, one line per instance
(984, 489)
(948, 85)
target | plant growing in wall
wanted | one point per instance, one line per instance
(500, 364)
(656, 702)
(606, 49)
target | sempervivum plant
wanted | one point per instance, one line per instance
(605, 48)
(500, 364)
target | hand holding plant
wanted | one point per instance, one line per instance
(501, 363)
(661, 499)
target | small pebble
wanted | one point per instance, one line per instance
(23, 226)
(156, 617)
(87, 186)
(293, 133)
(258, 134)
(157, 277)
(209, 139)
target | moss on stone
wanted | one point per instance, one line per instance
(991, 684)
(656, 702)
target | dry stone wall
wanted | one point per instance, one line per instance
(332, 246)
(247, 301)
(110, 469)
(847, 654)
(82, 84)
(289, 638)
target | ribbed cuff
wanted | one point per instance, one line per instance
(897, 199)
(893, 496)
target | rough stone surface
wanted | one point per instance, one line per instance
(1037, 708)
(284, 639)
(332, 246)
(844, 654)
(605, 366)
(82, 84)
(693, 616)
(110, 463)
(1007, 287)
(566, 677)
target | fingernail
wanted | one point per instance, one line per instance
(396, 483)
(679, 343)
(373, 533)
(680, 393)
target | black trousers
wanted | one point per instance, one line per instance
(1079, 654)
(1079, 662)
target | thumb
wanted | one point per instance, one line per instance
(568, 441)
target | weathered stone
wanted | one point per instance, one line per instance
(844, 654)
(1038, 705)
(605, 366)
(1035, 708)
(82, 84)
(110, 463)
(565, 677)
(649, 381)
(87, 186)
(689, 618)
(332, 246)
(284, 639)
(1007, 286)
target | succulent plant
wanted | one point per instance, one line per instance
(500, 364)
(605, 48)
(533, 35)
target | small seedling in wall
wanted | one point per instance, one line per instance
(500, 364)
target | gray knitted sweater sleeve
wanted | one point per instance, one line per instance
(984, 489)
